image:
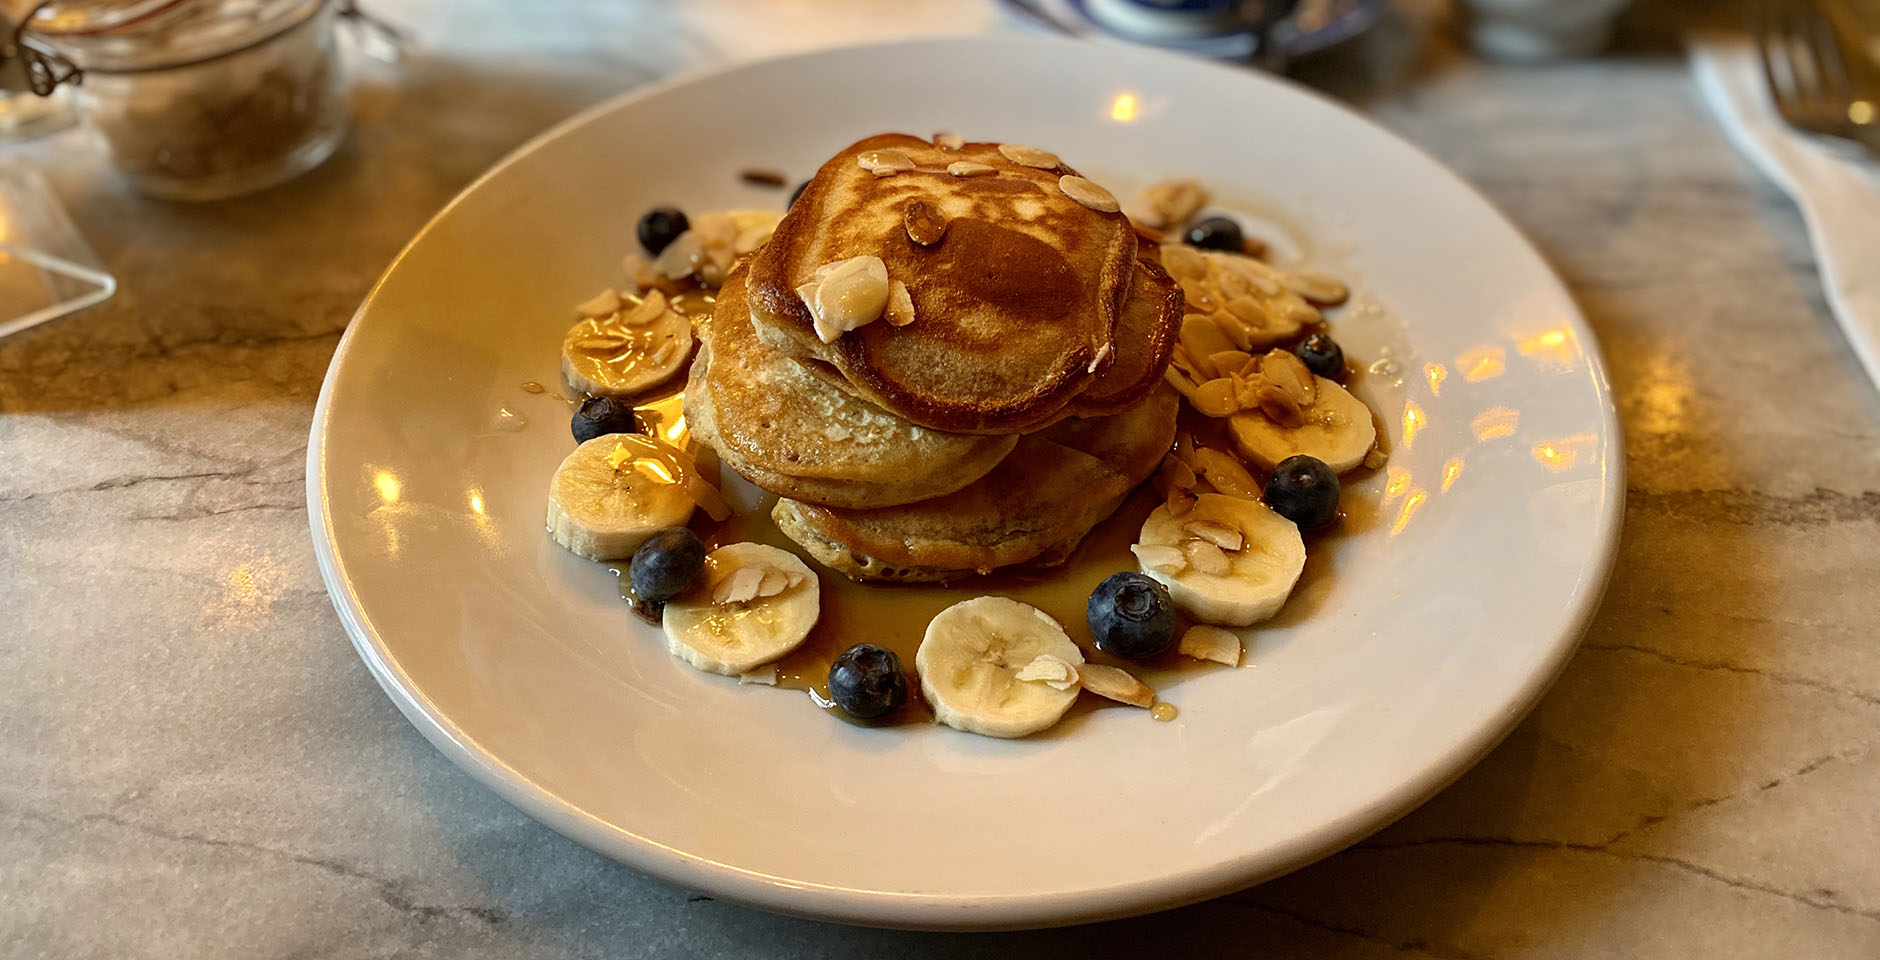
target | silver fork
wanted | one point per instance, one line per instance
(1823, 81)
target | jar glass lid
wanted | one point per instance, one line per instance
(114, 35)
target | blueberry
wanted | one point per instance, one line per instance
(1131, 616)
(1323, 356)
(796, 193)
(666, 564)
(600, 416)
(1217, 233)
(660, 227)
(1304, 490)
(866, 681)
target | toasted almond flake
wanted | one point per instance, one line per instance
(1116, 684)
(647, 310)
(900, 304)
(1185, 447)
(603, 304)
(1205, 642)
(1029, 156)
(1247, 390)
(1202, 338)
(884, 163)
(774, 582)
(1279, 407)
(1145, 232)
(1316, 287)
(1177, 475)
(740, 587)
(1051, 670)
(1205, 557)
(1226, 474)
(1088, 194)
(1180, 381)
(1375, 459)
(764, 675)
(1230, 361)
(1283, 369)
(1157, 556)
(1172, 203)
(967, 168)
(924, 222)
(949, 141)
(846, 294)
(750, 238)
(1216, 398)
(795, 577)
(1215, 532)
(1179, 502)
(1234, 283)
(1298, 312)
(707, 497)
(1247, 310)
(1184, 262)
(681, 257)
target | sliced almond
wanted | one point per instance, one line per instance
(1051, 670)
(884, 163)
(900, 311)
(1204, 642)
(1226, 474)
(764, 675)
(603, 304)
(1316, 287)
(1181, 382)
(1184, 262)
(1180, 502)
(1375, 459)
(1175, 475)
(1185, 447)
(967, 168)
(1116, 684)
(1202, 339)
(1172, 203)
(1230, 361)
(1248, 311)
(647, 310)
(1205, 557)
(1247, 389)
(774, 582)
(924, 222)
(1156, 556)
(1100, 359)
(1029, 156)
(1215, 532)
(681, 257)
(1088, 194)
(740, 587)
(949, 141)
(1279, 406)
(1216, 398)
(846, 294)
(707, 497)
(1286, 371)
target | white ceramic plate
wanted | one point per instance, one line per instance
(1429, 635)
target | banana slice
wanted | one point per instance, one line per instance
(752, 604)
(1212, 584)
(970, 659)
(613, 492)
(1338, 430)
(625, 351)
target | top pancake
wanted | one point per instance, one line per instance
(790, 432)
(1014, 307)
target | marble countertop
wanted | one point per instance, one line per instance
(197, 765)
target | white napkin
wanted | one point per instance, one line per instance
(1839, 195)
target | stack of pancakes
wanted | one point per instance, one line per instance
(1018, 408)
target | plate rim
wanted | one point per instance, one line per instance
(926, 911)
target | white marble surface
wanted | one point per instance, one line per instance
(195, 764)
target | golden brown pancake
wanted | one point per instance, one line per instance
(1033, 508)
(790, 432)
(1145, 339)
(1014, 307)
